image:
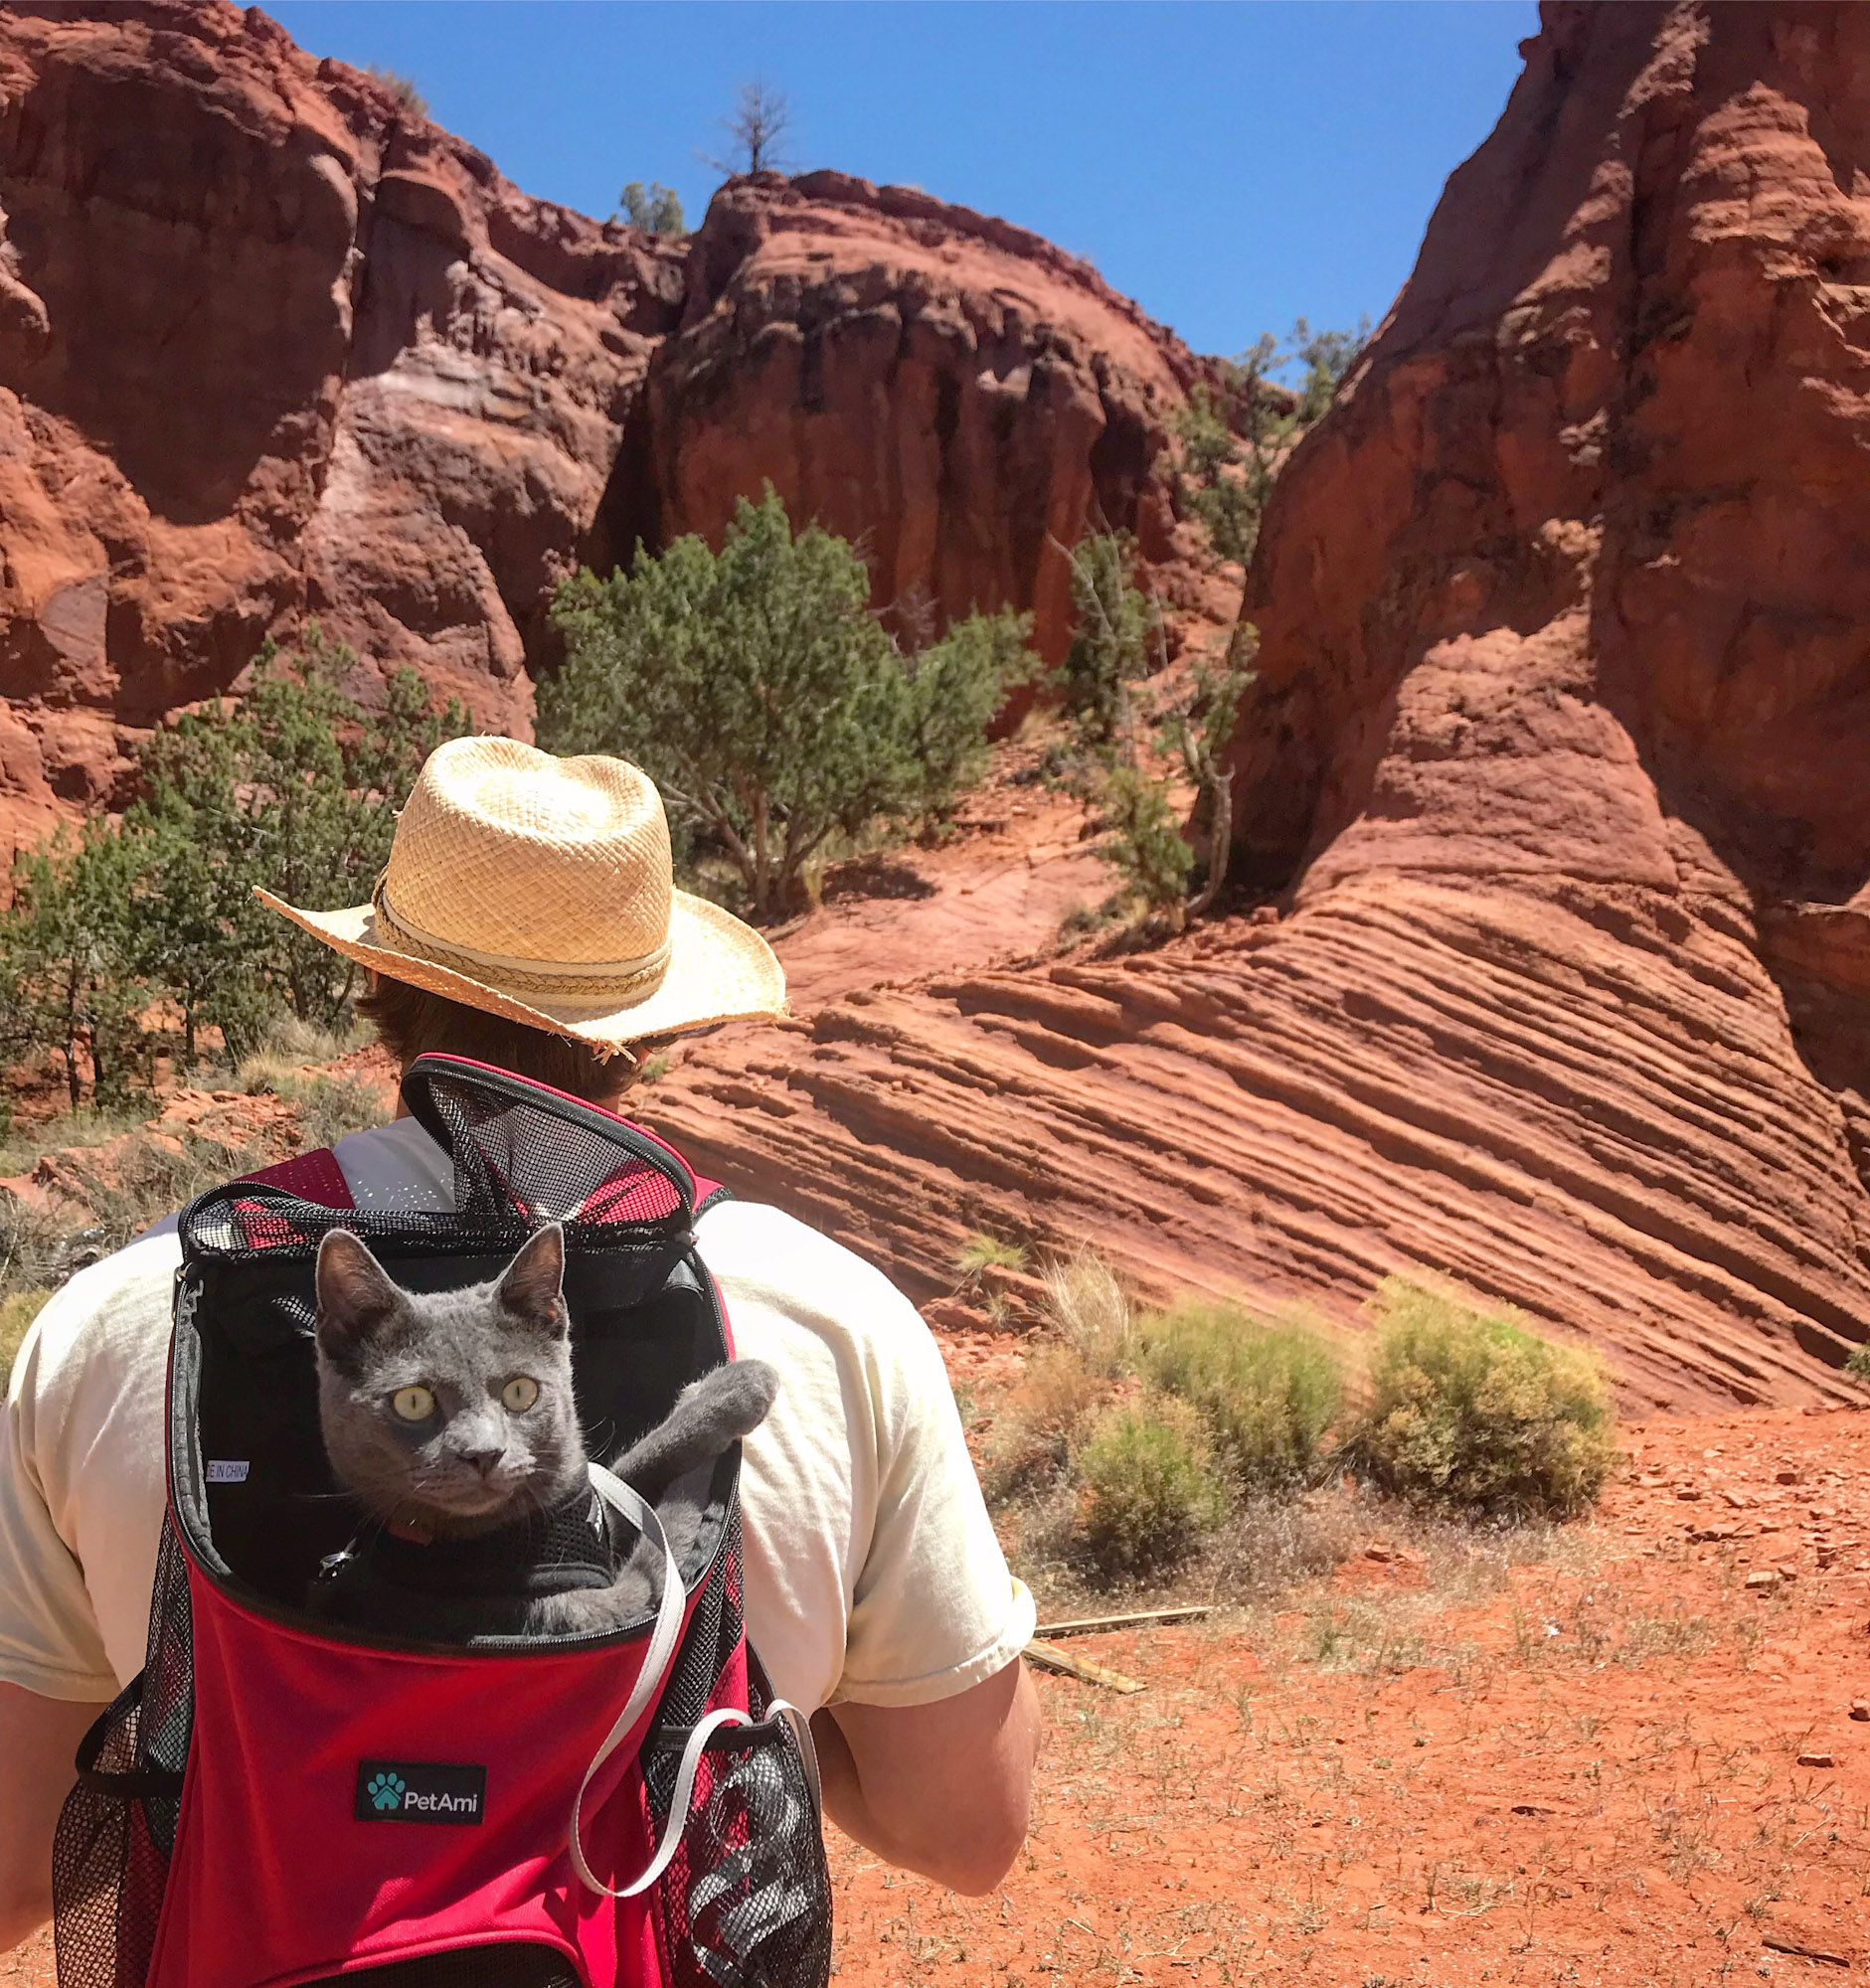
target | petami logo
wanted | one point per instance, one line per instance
(420, 1791)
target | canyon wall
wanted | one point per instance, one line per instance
(1550, 786)
(273, 347)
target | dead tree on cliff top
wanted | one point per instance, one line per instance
(758, 126)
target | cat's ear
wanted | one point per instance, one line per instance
(354, 1294)
(532, 1285)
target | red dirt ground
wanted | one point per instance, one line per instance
(1592, 1774)
(1616, 1765)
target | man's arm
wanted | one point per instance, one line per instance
(38, 1738)
(942, 1788)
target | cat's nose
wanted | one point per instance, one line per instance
(483, 1461)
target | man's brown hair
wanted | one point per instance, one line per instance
(412, 1022)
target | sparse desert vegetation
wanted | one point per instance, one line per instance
(1423, 1750)
(1143, 1443)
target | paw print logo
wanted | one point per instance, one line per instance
(384, 1790)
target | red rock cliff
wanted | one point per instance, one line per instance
(952, 390)
(272, 347)
(1554, 762)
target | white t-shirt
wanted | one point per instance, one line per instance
(872, 1571)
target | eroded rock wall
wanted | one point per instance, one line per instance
(1552, 779)
(952, 391)
(272, 347)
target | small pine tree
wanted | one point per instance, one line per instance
(757, 690)
(957, 685)
(296, 787)
(1118, 632)
(68, 983)
(1324, 357)
(1145, 844)
(1201, 735)
(1213, 484)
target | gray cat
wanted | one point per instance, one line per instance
(450, 1417)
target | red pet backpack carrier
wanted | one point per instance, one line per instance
(276, 1800)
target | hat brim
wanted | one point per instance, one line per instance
(718, 970)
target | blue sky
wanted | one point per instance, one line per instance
(1231, 166)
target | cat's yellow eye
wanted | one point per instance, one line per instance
(414, 1404)
(520, 1393)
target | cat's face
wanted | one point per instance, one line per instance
(447, 1412)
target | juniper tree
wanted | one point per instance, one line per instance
(1118, 628)
(767, 702)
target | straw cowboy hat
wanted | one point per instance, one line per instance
(542, 890)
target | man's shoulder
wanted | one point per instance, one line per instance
(756, 1245)
(113, 1315)
(770, 1264)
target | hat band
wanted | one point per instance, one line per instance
(601, 980)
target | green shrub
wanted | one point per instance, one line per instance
(16, 1314)
(765, 700)
(1145, 845)
(1267, 1393)
(1149, 1487)
(1474, 1409)
(1119, 636)
(1042, 1420)
(654, 208)
(1858, 1364)
(296, 787)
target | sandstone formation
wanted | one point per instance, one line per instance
(270, 347)
(952, 391)
(273, 347)
(1553, 780)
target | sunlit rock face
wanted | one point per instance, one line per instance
(1552, 783)
(272, 347)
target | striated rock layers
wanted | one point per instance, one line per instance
(272, 346)
(1554, 769)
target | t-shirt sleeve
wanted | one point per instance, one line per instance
(873, 1573)
(50, 1641)
(80, 1477)
(934, 1608)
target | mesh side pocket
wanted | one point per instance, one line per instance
(746, 1902)
(108, 1872)
(168, 1708)
(116, 1831)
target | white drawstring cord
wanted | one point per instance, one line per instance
(656, 1661)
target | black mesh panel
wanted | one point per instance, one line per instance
(107, 1875)
(713, 1631)
(168, 1708)
(111, 1854)
(552, 1159)
(520, 1965)
(747, 1900)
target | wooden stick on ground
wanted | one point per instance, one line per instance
(1141, 1618)
(1044, 1657)
(1781, 1944)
